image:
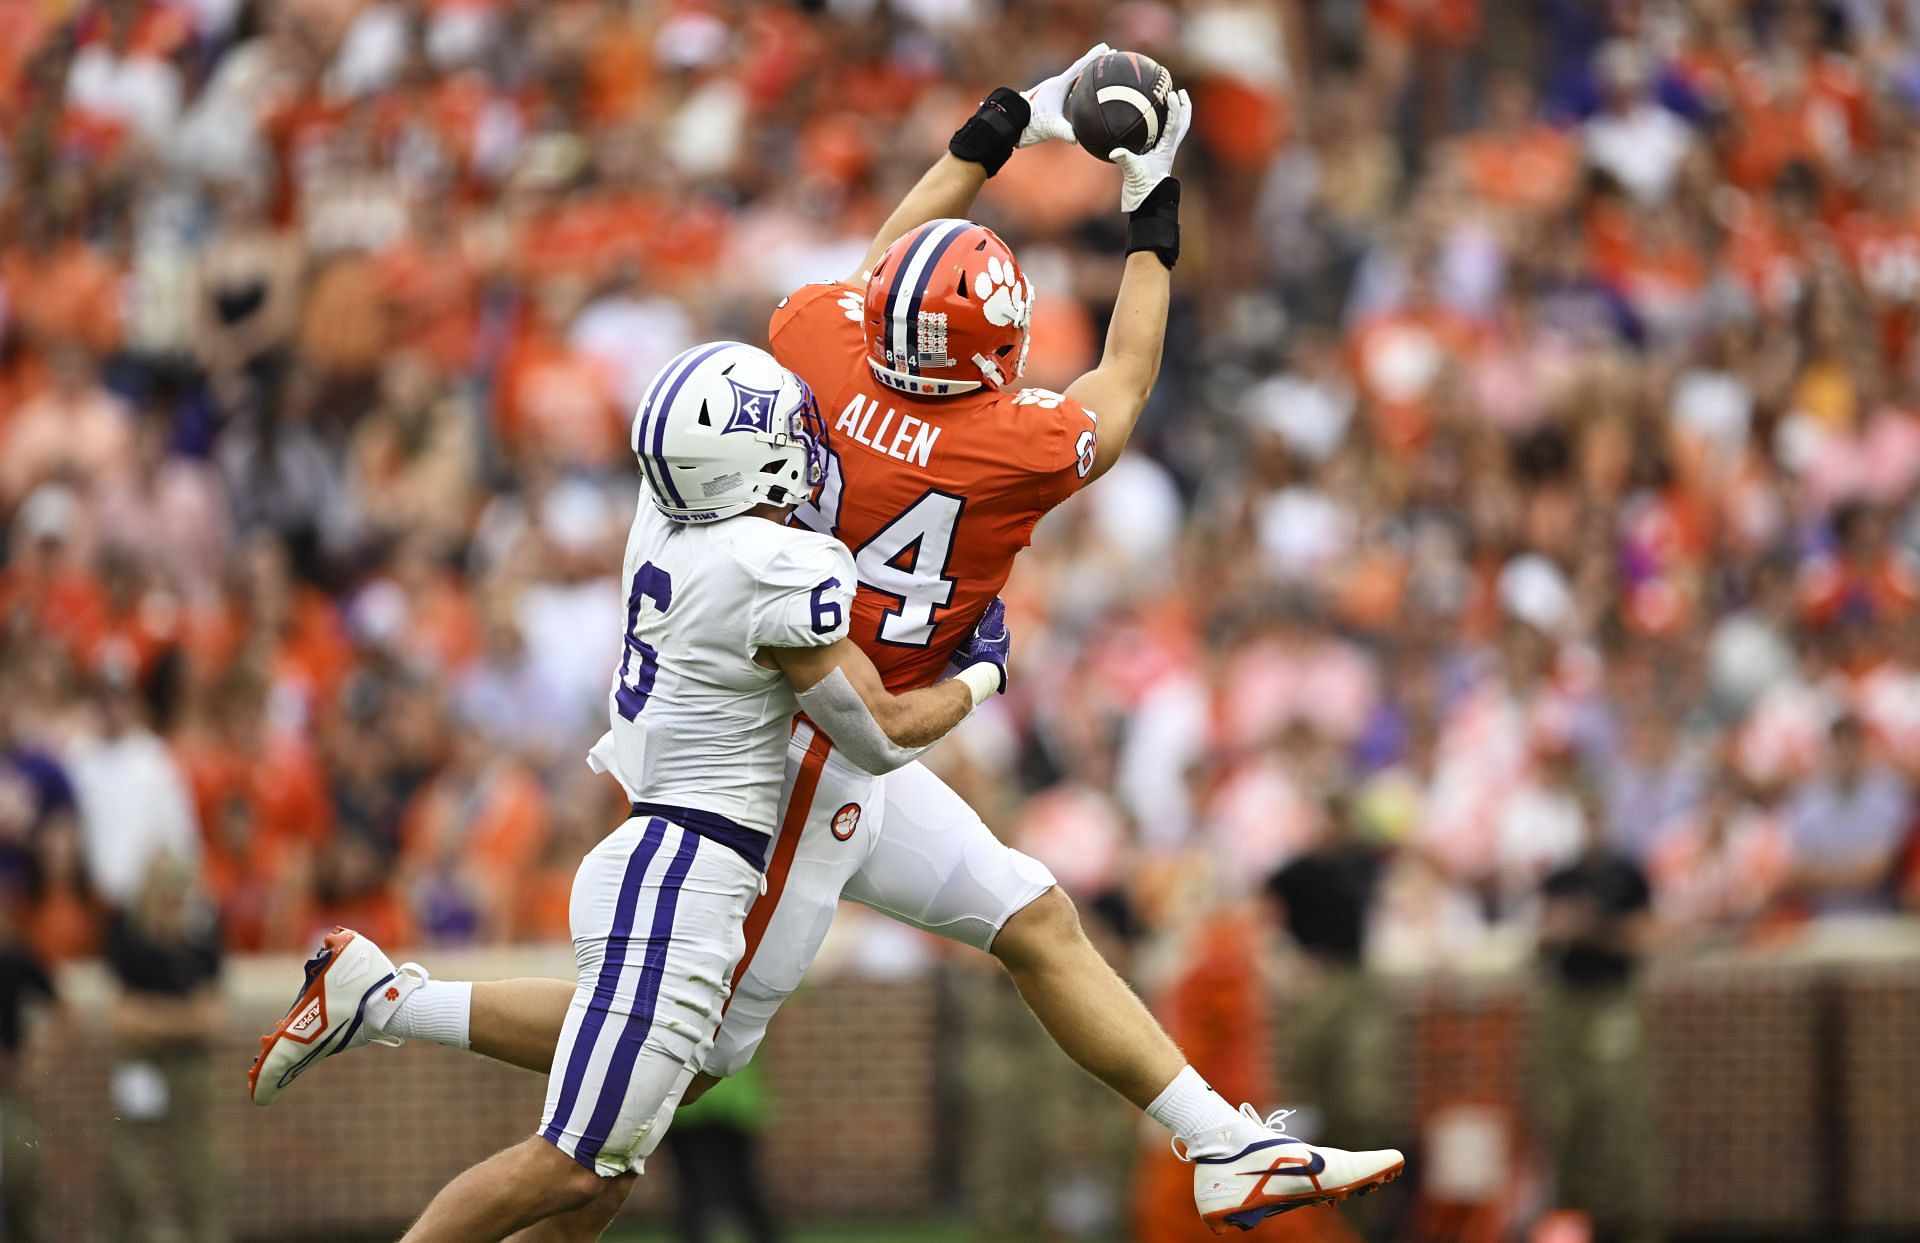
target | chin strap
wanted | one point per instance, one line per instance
(917, 385)
(993, 131)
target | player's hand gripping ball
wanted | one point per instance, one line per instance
(1120, 101)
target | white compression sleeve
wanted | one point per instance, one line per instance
(837, 708)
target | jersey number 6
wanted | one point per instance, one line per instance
(649, 583)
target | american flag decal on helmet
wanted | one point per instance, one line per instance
(932, 351)
(909, 286)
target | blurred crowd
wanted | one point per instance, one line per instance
(1519, 554)
(1534, 466)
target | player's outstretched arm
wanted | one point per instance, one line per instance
(1119, 387)
(1006, 120)
(841, 691)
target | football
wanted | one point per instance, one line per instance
(1119, 100)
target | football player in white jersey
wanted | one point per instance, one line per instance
(735, 621)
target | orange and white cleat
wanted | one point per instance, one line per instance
(329, 1014)
(1278, 1173)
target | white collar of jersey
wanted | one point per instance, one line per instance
(919, 386)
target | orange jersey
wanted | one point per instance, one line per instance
(934, 495)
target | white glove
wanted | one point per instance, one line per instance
(1139, 174)
(1049, 102)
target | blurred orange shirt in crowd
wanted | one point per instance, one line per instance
(1769, 260)
(584, 236)
(556, 404)
(495, 820)
(543, 911)
(1240, 123)
(66, 605)
(618, 71)
(135, 636)
(23, 29)
(1450, 23)
(258, 811)
(1820, 121)
(68, 293)
(310, 653)
(62, 925)
(443, 625)
(1400, 357)
(1216, 1011)
(1534, 171)
(1885, 591)
(1054, 187)
(379, 915)
(431, 292)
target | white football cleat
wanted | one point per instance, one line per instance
(1279, 1173)
(329, 1015)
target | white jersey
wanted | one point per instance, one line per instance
(696, 723)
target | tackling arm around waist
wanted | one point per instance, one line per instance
(841, 691)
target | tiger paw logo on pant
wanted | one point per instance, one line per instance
(846, 820)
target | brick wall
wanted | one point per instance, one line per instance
(362, 1145)
(1789, 1100)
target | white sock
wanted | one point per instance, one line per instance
(1198, 1115)
(437, 1011)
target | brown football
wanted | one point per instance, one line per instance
(1119, 100)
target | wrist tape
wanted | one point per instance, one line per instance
(991, 133)
(1155, 224)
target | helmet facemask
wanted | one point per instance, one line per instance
(808, 426)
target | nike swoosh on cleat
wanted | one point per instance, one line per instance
(1316, 1166)
(1276, 1142)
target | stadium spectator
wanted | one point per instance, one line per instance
(1721, 865)
(164, 951)
(1847, 822)
(715, 1148)
(1339, 1019)
(135, 809)
(25, 987)
(1593, 1091)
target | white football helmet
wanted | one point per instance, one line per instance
(723, 428)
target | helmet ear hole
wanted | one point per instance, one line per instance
(706, 418)
(1004, 350)
(960, 287)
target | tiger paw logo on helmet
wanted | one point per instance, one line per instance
(946, 311)
(1005, 296)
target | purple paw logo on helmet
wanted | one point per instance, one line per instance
(752, 409)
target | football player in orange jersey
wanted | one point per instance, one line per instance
(940, 467)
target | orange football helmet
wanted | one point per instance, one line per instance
(947, 311)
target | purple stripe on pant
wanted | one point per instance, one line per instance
(613, 1088)
(609, 982)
